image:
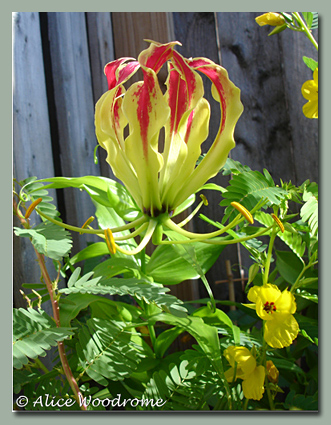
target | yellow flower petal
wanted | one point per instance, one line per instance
(281, 333)
(272, 372)
(286, 303)
(246, 362)
(270, 18)
(253, 385)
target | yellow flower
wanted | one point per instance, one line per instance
(272, 372)
(309, 91)
(270, 18)
(243, 366)
(276, 308)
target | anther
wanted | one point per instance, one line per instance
(279, 223)
(243, 211)
(269, 307)
(110, 241)
(32, 207)
(204, 199)
(87, 222)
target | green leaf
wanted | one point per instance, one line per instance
(248, 188)
(311, 63)
(216, 318)
(104, 191)
(309, 210)
(48, 239)
(167, 267)
(106, 350)
(308, 17)
(73, 304)
(33, 333)
(292, 238)
(141, 289)
(289, 265)
(205, 335)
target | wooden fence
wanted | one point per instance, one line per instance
(58, 61)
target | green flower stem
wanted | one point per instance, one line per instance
(38, 364)
(306, 267)
(305, 29)
(264, 363)
(189, 217)
(148, 235)
(128, 226)
(133, 234)
(197, 236)
(245, 404)
(268, 260)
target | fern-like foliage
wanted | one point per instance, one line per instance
(50, 240)
(309, 210)
(192, 384)
(107, 350)
(33, 333)
(249, 187)
(33, 190)
(290, 236)
(140, 289)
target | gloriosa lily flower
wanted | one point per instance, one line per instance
(243, 366)
(161, 179)
(276, 308)
(310, 92)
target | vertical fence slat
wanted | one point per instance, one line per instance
(74, 109)
(304, 130)
(32, 149)
(101, 48)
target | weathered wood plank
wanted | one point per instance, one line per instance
(132, 28)
(32, 149)
(100, 39)
(304, 131)
(270, 73)
(74, 109)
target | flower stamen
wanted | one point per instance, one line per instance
(243, 211)
(269, 307)
(110, 241)
(278, 222)
(32, 207)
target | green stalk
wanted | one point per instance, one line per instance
(305, 29)
(128, 226)
(264, 363)
(268, 260)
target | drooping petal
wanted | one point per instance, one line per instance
(253, 385)
(228, 95)
(118, 72)
(156, 55)
(147, 113)
(185, 90)
(109, 124)
(281, 333)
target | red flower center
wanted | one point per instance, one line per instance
(269, 307)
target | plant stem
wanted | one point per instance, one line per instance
(56, 314)
(92, 231)
(268, 260)
(305, 29)
(264, 362)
